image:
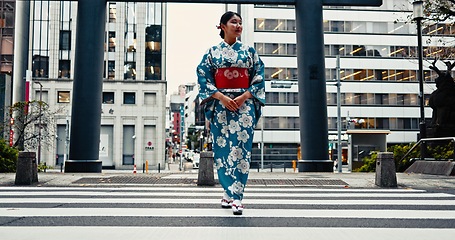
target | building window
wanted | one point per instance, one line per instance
(65, 40)
(128, 144)
(130, 71)
(150, 99)
(43, 95)
(63, 96)
(112, 12)
(130, 39)
(40, 65)
(64, 68)
(108, 97)
(153, 52)
(129, 98)
(111, 69)
(111, 42)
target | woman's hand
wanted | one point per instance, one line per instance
(228, 102)
(240, 100)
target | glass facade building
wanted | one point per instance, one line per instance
(7, 11)
(378, 69)
(134, 89)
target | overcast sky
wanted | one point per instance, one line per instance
(191, 30)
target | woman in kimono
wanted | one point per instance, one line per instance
(232, 91)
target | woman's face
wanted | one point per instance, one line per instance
(233, 27)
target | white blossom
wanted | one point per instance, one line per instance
(243, 136)
(234, 126)
(243, 166)
(221, 116)
(236, 153)
(219, 163)
(225, 130)
(236, 188)
(221, 141)
(245, 108)
(246, 121)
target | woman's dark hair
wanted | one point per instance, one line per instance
(225, 18)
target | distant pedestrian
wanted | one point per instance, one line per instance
(232, 90)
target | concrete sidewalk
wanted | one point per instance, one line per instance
(264, 177)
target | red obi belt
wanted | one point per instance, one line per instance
(233, 77)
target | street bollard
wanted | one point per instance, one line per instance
(159, 167)
(206, 175)
(26, 162)
(147, 166)
(385, 170)
(294, 165)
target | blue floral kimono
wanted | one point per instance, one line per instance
(232, 132)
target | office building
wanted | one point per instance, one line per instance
(134, 89)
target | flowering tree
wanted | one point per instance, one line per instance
(439, 10)
(28, 118)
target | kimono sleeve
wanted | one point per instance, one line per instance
(206, 81)
(257, 88)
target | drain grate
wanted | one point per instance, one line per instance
(158, 180)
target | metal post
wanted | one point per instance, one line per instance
(339, 149)
(262, 143)
(39, 120)
(67, 139)
(87, 88)
(422, 124)
(312, 88)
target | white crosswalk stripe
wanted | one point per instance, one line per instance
(195, 213)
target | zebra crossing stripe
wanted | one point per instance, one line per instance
(208, 189)
(245, 201)
(222, 233)
(218, 193)
(218, 212)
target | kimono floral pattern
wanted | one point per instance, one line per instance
(232, 131)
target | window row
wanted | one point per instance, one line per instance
(40, 67)
(362, 27)
(387, 99)
(130, 98)
(290, 49)
(153, 59)
(393, 75)
(107, 98)
(293, 123)
(375, 123)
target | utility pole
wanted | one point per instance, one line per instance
(339, 149)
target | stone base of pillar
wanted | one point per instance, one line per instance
(75, 166)
(206, 175)
(26, 169)
(385, 170)
(315, 166)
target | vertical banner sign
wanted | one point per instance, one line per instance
(11, 132)
(11, 137)
(182, 118)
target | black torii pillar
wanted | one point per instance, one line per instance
(312, 88)
(87, 88)
(312, 82)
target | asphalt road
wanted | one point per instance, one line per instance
(190, 212)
